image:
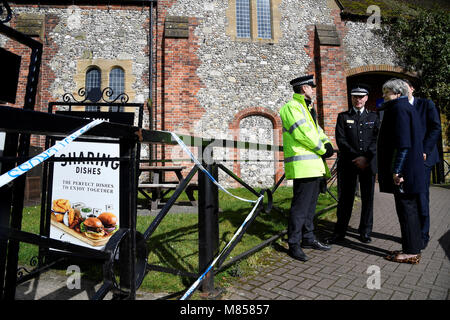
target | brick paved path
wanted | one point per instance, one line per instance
(342, 272)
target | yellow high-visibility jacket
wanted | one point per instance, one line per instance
(303, 141)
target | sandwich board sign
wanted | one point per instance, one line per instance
(85, 195)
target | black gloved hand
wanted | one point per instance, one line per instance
(329, 151)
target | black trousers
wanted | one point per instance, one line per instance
(407, 207)
(303, 209)
(424, 207)
(347, 187)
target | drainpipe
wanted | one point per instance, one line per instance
(150, 75)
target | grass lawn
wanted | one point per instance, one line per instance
(174, 244)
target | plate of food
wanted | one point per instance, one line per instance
(95, 231)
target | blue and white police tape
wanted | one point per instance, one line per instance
(185, 148)
(33, 162)
(199, 280)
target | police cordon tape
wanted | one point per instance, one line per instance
(40, 158)
(238, 231)
(200, 166)
(199, 280)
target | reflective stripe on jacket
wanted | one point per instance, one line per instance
(303, 141)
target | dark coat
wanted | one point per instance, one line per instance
(431, 128)
(400, 128)
(356, 138)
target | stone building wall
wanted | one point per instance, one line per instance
(242, 74)
(363, 46)
(88, 35)
(208, 83)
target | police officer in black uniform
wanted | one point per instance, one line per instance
(356, 138)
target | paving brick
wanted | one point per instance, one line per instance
(343, 297)
(312, 270)
(276, 277)
(265, 293)
(289, 284)
(304, 292)
(398, 288)
(285, 293)
(271, 284)
(280, 271)
(325, 283)
(363, 296)
(418, 296)
(341, 273)
(394, 280)
(323, 297)
(342, 291)
(307, 284)
(400, 296)
(255, 282)
(414, 288)
(343, 282)
(438, 294)
(329, 276)
(381, 296)
(311, 277)
(324, 292)
(411, 279)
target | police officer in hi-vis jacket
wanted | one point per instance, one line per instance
(305, 147)
(356, 137)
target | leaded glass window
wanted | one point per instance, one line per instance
(264, 19)
(243, 18)
(117, 83)
(93, 81)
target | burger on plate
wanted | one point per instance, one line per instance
(92, 228)
(109, 221)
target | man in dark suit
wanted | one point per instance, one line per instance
(356, 137)
(431, 129)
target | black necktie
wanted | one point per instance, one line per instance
(358, 114)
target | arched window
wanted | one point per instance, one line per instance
(117, 82)
(93, 79)
(93, 83)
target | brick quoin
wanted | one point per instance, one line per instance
(46, 76)
(329, 69)
(176, 107)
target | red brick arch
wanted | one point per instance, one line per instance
(256, 111)
(379, 68)
(277, 138)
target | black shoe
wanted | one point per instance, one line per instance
(365, 238)
(317, 245)
(297, 253)
(335, 238)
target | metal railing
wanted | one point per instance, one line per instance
(131, 244)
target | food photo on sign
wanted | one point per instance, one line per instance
(85, 195)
